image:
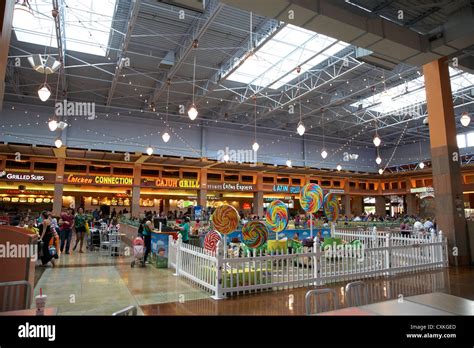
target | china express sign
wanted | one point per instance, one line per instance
(99, 180)
(175, 183)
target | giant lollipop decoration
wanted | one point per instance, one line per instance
(276, 217)
(211, 240)
(311, 198)
(331, 207)
(254, 234)
(225, 219)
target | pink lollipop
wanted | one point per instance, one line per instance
(210, 241)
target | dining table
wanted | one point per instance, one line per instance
(446, 302)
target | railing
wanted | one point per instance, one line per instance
(380, 254)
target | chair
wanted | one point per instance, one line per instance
(356, 294)
(115, 244)
(104, 243)
(128, 311)
(12, 298)
(324, 300)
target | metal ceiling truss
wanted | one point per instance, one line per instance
(59, 26)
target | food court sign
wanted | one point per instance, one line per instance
(99, 180)
(286, 188)
(231, 187)
(26, 177)
(171, 183)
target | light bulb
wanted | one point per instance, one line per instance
(301, 128)
(380, 171)
(465, 119)
(192, 112)
(53, 125)
(149, 151)
(58, 142)
(255, 146)
(377, 141)
(226, 158)
(422, 165)
(44, 92)
(378, 160)
(338, 167)
(166, 137)
(324, 154)
(288, 163)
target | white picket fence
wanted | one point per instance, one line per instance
(381, 254)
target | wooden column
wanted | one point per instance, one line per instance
(258, 196)
(137, 175)
(445, 160)
(202, 195)
(59, 187)
(380, 206)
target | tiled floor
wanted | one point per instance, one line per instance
(89, 284)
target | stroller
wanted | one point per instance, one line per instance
(138, 252)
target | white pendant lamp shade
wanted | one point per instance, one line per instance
(380, 171)
(53, 125)
(192, 112)
(22, 13)
(226, 158)
(465, 119)
(44, 92)
(58, 143)
(288, 163)
(255, 146)
(339, 167)
(301, 128)
(377, 141)
(421, 165)
(165, 137)
(378, 160)
(324, 154)
(149, 151)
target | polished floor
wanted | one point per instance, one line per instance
(90, 284)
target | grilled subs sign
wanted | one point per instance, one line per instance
(28, 177)
(99, 180)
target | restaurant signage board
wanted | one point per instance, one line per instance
(421, 189)
(99, 180)
(171, 183)
(286, 188)
(231, 187)
(27, 177)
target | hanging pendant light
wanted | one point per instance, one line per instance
(421, 165)
(380, 171)
(53, 124)
(58, 143)
(288, 163)
(324, 154)
(166, 137)
(377, 140)
(149, 151)
(301, 128)
(465, 119)
(192, 112)
(44, 92)
(339, 167)
(378, 160)
(226, 157)
(255, 146)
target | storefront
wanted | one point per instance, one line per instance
(239, 195)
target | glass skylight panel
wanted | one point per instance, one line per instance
(461, 140)
(400, 98)
(87, 23)
(273, 64)
(470, 139)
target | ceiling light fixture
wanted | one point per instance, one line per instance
(301, 128)
(166, 137)
(380, 171)
(255, 145)
(465, 119)
(44, 92)
(378, 160)
(53, 125)
(377, 140)
(192, 112)
(149, 151)
(288, 163)
(339, 167)
(226, 157)
(324, 153)
(58, 142)
(421, 165)
(47, 66)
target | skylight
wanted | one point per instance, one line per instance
(273, 64)
(411, 93)
(87, 24)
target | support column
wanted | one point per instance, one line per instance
(6, 21)
(135, 208)
(380, 206)
(445, 158)
(410, 200)
(258, 196)
(58, 187)
(357, 203)
(346, 202)
(202, 195)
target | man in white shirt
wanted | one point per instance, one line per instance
(428, 225)
(417, 225)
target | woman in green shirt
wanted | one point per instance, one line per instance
(184, 230)
(79, 226)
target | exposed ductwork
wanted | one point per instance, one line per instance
(390, 43)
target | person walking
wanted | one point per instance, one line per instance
(66, 223)
(184, 230)
(146, 233)
(46, 238)
(80, 228)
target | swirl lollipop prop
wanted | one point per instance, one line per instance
(225, 219)
(311, 199)
(211, 240)
(254, 234)
(331, 207)
(276, 217)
